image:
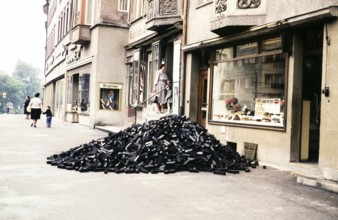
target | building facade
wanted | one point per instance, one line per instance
(155, 37)
(85, 62)
(253, 72)
(265, 71)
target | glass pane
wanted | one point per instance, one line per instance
(272, 44)
(250, 91)
(135, 83)
(84, 92)
(70, 89)
(225, 53)
(247, 49)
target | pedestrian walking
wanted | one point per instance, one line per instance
(35, 105)
(25, 105)
(49, 116)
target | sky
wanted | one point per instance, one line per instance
(22, 37)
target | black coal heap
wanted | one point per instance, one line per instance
(170, 144)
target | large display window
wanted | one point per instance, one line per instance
(248, 84)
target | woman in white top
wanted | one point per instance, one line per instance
(161, 80)
(35, 105)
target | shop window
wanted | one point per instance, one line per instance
(73, 88)
(110, 96)
(84, 93)
(247, 49)
(135, 84)
(224, 53)
(250, 90)
(272, 44)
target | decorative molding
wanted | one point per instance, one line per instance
(168, 7)
(246, 4)
(74, 53)
(150, 13)
(220, 6)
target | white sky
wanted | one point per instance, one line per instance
(22, 37)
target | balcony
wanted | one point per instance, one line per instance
(162, 14)
(80, 34)
(237, 15)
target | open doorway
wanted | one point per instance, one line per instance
(311, 94)
(202, 97)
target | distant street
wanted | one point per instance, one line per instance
(32, 190)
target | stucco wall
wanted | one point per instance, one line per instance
(200, 17)
(108, 67)
(329, 105)
(199, 22)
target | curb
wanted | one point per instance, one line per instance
(322, 184)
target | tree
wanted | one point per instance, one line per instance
(14, 90)
(29, 76)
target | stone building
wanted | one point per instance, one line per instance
(266, 71)
(85, 62)
(155, 37)
(255, 73)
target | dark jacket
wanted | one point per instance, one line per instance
(48, 112)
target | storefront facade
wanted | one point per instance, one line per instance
(154, 38)
(263, 77)
(85, 80)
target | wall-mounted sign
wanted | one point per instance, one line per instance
(110, 96)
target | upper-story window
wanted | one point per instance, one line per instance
(84, 12)
(89, 12)
(123, 5)
(136, 8)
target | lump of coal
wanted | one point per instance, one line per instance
(170, 144)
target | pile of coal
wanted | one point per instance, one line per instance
(170, 144)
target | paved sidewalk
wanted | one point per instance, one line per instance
(307, 174)
(32, 190)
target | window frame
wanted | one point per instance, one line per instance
(127, 2)
(259, 54)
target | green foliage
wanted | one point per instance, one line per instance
(29, 76)
(24, 81)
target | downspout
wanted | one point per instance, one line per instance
(185, 6)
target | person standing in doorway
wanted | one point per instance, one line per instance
(35, 105)
(25, 105)
(49, 116)
(161, 80)
(169, 98)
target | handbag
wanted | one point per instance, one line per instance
(29, 108)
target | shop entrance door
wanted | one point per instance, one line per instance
(312, 77)
(202, 97)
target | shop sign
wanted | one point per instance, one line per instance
(267, 105)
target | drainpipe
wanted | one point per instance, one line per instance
(185, 6)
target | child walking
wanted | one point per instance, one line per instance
(48, 113)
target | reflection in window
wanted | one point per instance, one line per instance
(84, 92)
(225, 53)
(250, 90)
(272, 44)
(247, 49)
